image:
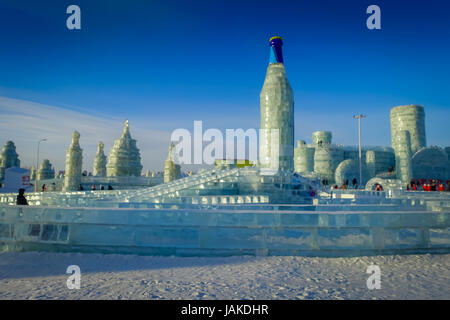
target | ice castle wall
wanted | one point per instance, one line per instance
(223, 232)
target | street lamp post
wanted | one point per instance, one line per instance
(359, 117)
(37, 166)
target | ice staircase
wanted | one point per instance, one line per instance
(174, 187)
(102, 198)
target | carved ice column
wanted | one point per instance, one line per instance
(172, 170)
(74, 162)
(403, 155)
(100, 161)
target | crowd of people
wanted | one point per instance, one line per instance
(80, 187)
(428, 185)
(415, 185)
(94, 187)
(344, 186)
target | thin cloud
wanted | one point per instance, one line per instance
(26, 122)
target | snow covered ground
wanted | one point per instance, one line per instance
(42, 276)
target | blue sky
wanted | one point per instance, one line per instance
(164, 64)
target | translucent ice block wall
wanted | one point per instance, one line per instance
(223, 232)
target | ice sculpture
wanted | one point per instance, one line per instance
(277, 111)
(100, 161)
(243, 210)
(303, 157)
(321, 138)
(412, 119)
(323, 158)
(124, 158)
(74, 162)
(431, 163)
(346, 171)
(371, 166)
(172, 170)
(46, 170)
(401, 142)
(8, 158)
(326, 160)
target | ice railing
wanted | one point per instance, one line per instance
(118, 195)
(178, 185)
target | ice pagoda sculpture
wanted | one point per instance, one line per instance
(100, 161)
(74, 162)
(46, 170)
(172, 170)
(8, 158)
(124, 158)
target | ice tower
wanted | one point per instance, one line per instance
(407, 137)
(172, 170)
(100, 161)
(74, 162)
(410, 118)
(277, 112)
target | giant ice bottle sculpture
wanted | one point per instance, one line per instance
(277, 114)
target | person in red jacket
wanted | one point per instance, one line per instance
(441, 187)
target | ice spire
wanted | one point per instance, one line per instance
(74, 162)
(172, 170)
(100, 161)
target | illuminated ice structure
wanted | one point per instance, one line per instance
(233, 210)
